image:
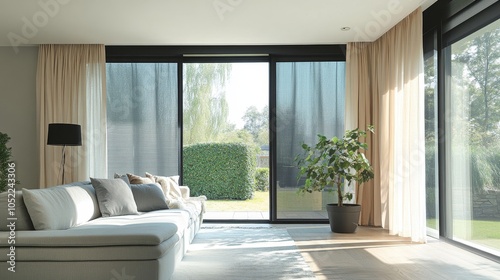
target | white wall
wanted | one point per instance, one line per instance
(18, 110)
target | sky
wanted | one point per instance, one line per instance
(247, 86)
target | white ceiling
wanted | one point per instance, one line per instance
(198, 22)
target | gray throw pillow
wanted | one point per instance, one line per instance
(149, 197)
(123, 177)
(114, 196)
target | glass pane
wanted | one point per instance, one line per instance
(226, 138)
(473, 135)
(142, 118)
(309, 101)
(431, 143)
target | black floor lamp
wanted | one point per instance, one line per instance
(64, 134)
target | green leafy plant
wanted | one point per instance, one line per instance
(262, 179)
(335, 162)
(5, 158)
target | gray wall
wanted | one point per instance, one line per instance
(18, 110)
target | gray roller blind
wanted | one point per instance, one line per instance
(310, 100)
(142, 116)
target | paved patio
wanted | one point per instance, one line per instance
(256, 215)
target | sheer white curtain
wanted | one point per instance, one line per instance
(71, 88)
(385, 88)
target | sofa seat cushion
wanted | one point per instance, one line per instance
(151, 228)
(97, 253)
(147, 236)
(96, 236)
(115, 240)
(179, 218)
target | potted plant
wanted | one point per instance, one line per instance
(334, 164)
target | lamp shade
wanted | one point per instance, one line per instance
(64, 134)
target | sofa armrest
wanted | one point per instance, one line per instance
(186, 193)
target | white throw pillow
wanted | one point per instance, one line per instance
(60, 207)
(170, 186)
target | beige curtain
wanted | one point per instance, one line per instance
(71, 88)
(385, 88)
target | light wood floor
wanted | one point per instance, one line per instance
(371, 253)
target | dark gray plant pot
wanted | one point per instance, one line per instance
(343, 219)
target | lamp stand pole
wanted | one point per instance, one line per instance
(63, 162)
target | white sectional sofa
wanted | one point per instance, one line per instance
(67, 232)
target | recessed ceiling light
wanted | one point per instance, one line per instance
(345, 28)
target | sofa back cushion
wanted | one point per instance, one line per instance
(23, 220)
(61, 207)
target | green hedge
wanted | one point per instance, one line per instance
(262, 179)
(219, 170)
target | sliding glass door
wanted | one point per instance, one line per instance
(158, 111)
(473, 140)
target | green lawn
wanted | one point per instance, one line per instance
(431, 223)
(478, 231)
(259, 202)
(478, 228)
